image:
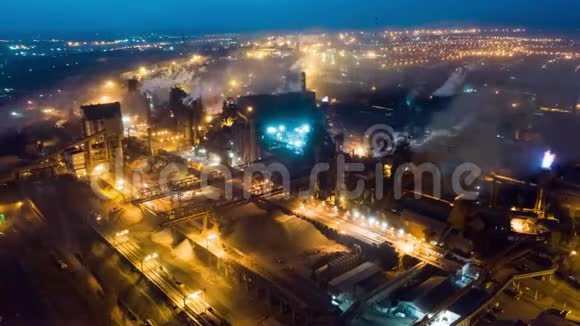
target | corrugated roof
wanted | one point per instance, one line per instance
(467, 304)
(430, 293)
(355, 275)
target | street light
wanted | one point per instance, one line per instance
(120, 184)
(121, 233)
(148, 258)
(209, 237)
(118, 235)
(406, 247)
(99, 169)
(193, 295)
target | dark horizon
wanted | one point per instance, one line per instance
(227, 16)
(185, 32)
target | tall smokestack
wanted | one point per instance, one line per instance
(303, 81)
(133, 84)
(150, 140)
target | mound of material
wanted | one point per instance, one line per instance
(163, 237)
(304, 235)
(131, 215)
(184, 251)
(273, 233)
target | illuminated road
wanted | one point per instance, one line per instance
(378, 234)
(304, 295)
(150, 266)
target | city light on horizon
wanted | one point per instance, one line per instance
(400, 173)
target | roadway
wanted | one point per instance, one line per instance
(377, 234)
(150, 265)
(302, 294)
(221, 296)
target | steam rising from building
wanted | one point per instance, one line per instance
(453, 85)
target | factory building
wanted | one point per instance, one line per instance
(274, 125)
(245, 141)
(186, 113)
(77, 163)
(422, 300)
(106, 148)
(348, 287)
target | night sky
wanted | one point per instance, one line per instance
(206, 16)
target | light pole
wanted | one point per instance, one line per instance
(193, 295)
(148, 258)
(209, 237)
(119, 234)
